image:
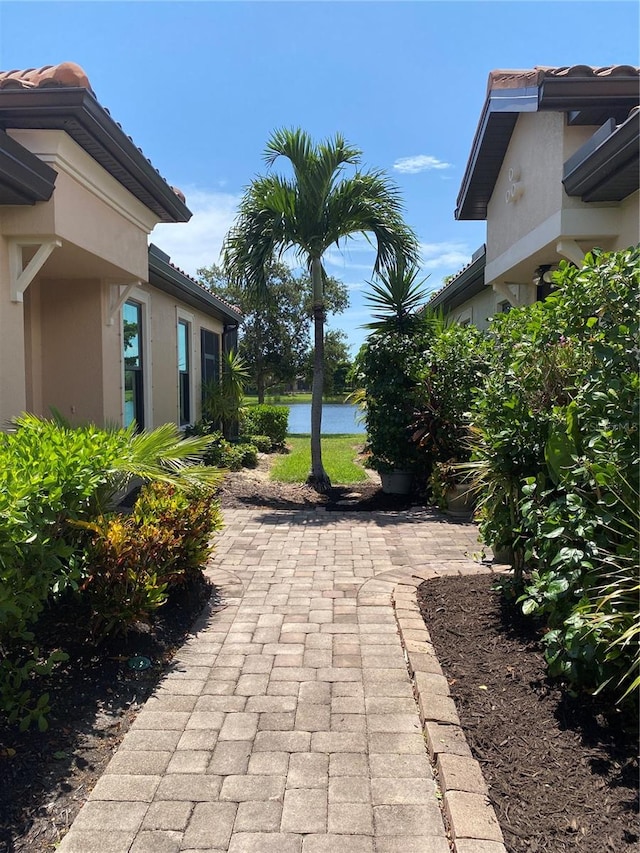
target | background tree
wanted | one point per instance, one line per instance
(274, 340)
(337, 362)
(314, 209)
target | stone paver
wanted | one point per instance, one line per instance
(288, 721)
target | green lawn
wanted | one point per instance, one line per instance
(291, 399)
(339, 454)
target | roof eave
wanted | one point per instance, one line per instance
(606, 169)
(24, 178)
(166, 277)
(77, 111)
(497, 121)
(465, 285)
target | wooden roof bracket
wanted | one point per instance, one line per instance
(569, 249)
(21, 276)
(117, 298)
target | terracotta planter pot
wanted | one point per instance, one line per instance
(396, 482)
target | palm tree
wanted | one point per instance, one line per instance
(316, 209)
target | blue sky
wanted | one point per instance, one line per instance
(200, 86)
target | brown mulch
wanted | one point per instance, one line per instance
(562, 772)
(46, 776)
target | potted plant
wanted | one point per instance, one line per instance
(388, 369)
(451, 490)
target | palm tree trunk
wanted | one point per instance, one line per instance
(318, 477)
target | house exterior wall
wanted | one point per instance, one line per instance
(69, 356)
(478, 309)
(540, 145)
(162, 313)
(12, 350)
(629, 222)
(61, 335)
(89, 208)
(524, 233)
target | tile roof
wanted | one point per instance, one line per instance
(65, 75)
(167, 260)
(517, 79)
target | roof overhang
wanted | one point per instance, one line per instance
(166, 277)
(469, 282)
(24, 178)
(607, 166)
(76, 111)
(586, 96)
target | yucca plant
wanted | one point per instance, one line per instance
(397, 297)
(222, 402)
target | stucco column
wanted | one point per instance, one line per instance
(12, 353)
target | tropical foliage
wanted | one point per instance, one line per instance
(314, 209)
(274, 338)
(54, 481)
(542, 412)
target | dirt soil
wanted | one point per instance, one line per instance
(562, 772)
(45, 777)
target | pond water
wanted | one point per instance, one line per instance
(336, 418)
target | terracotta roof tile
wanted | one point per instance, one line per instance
(65, 74)
(200, 284)
(522, 78)
(61, 76)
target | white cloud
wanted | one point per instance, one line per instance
(197, 243)
(449, 256)
(419, 163)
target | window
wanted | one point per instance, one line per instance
(210, 349)
(133, 366)
(184, 368)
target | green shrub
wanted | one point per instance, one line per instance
(556, 451)
(267, 420)
(134, 560)
(262, 442)
(388, 369)
(53, 478)
(249, 455)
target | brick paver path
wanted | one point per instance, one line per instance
(288, 722)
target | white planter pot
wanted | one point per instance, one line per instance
(396, 482)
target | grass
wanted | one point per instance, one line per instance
(339, 454)
(292, 399)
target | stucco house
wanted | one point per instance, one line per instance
(93, 321)
(554, 172)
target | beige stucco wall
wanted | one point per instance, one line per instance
(12, 353)
(67, 361)
(524, 233)
(88, 208)
(540, 145)
(478, 309)
(630, 222)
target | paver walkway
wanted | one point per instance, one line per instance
(288, 721)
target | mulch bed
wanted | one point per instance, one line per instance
(45, 777)
(562, 772)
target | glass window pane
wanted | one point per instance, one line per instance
(183, 346)
(131, 334)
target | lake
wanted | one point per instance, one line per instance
(336, 418)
